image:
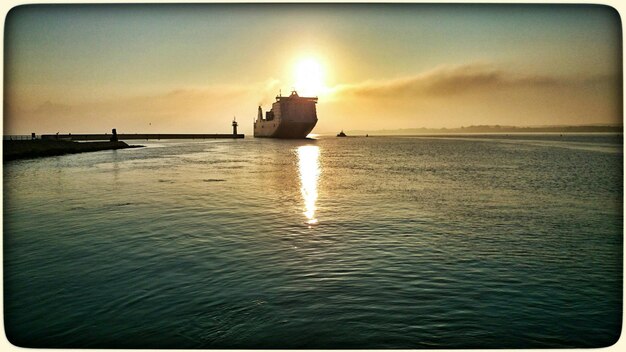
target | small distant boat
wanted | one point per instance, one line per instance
(341, 134)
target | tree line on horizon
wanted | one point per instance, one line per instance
(502, 129)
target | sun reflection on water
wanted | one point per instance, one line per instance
(309, 169)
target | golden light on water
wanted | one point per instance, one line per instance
(309, 169)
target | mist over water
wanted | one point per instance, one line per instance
(379, 242)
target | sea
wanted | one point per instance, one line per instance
(402, 242)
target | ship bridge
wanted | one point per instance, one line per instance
(294, 96)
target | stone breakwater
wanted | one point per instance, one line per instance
(146, 136)
(13, 150)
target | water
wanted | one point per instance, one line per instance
(380, 242)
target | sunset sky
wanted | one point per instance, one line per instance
(191, 68)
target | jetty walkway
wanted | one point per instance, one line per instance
(145, 136)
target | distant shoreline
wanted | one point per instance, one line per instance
(496, 129)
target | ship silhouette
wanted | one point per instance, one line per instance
(291, 117)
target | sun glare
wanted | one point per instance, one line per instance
(309, 77)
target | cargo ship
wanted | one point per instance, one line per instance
(291, 117)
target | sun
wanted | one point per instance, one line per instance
(309, 77)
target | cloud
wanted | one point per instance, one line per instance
(448, 96)
(181, 109)
(446, 81)
(479, 93)
(179, 101)
(48, 107)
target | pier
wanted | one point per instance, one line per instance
(144, 136)
(22, 149)
(59, 144)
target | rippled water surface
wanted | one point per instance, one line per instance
(379, 242)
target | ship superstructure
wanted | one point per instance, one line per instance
(290, 117)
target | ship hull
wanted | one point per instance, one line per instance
(291, 117)
(284, 129)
